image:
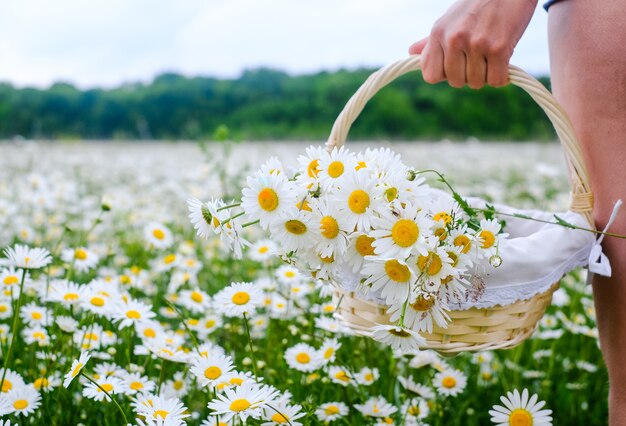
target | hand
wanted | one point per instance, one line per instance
(473, 41)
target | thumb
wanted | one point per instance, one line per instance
(416, 48)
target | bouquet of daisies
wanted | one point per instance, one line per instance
(367, 222)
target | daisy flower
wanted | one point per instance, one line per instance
(293, 230)
(416, 408)
(75, 369)
(238, 299)
(422, 311)
(247, 400)
(34, 315)
(21, 256)
(22, 401)
(333, 165)
(158, 235)
(196, 300)
(12, 381)
(450, 382)
(37, 335)
(331, 411)
(359, 246)
(398, 338)
(434, 265)
(288, 275)
(400, 232)
(131, 312)
(81, 258)
(329, 349)
(10, 277)
(161, 411)
(341, 376)
(47, 383)
(267, 197)
(282, 414)
(311, 164)
(520, 410)
(212, 369)
(330, 232)
(177, 387)
(357, 200)
(201, 217)
(66, 292)
(392, 276)
(262, 250)
(112, 385)
(367, 376)
(376, 407)
(303, 357)
(488, 237)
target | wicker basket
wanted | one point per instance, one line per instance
(473, 329)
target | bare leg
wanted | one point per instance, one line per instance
(588, 61)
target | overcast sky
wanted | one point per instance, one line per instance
(108, 42)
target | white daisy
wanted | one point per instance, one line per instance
(400, 231)
(366, 376)
(416, 408)
(112, 385)
(267, 198)
(359, 246)
(201, 217)
(331, 411)
(262, 250)
(10, 277)
(392, 277)
(398, 338)
(422, 311)
(293, 230)
(22, 401)
(161, 411)
(340, 375)
(238, 299)
(136, 383)
(520, 410)
(12, 381)
(328, 350)
(247, 400)
(303, 357)
(335, 164)
(282, 414)
(34, 315)
(376, 407)
(212, 369)
(357, 200)
(81, 258)
(196, 300)
(75, 369)
(330, 231)
(21, 256)
(158, 235)
(450, 382)
(66, 292)
(488, 236)
(131, 312)
(310, 163)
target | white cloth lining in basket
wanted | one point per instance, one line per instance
(534, 257)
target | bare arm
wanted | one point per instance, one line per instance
(473, 41)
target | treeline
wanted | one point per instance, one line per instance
(269, 104)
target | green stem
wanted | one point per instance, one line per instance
(245, 225)
(282, 415)
(107, 394)
(161, 376)
(232, 217)
(16, 318)
(230, 206)
(182, 319)
(245, 317)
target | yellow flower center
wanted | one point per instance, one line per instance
(363, 245)
(405, 232)
(331, 409)
(97, 301)
(313, 168)
(10, 280)
(342, 376)
(212, 372)
(170, 258)
(329, 353)
(335, 169)
(240, 405)
(448, 382)
(209, 323)
(399, 332)
(441, 234)
(443, 216)
(369, 377)
(453, 256)
(463, 241)
(268, 199)
(296, 227)
(136, 386)
(178, 384)
(360, 165)
(396, 271)
(196, 296)
(488, 238)
(39, 335)
(391, 194)
(236, 381)
(70, 296)
(158, 234)
(76, 369)
(107, 387)
(148, 332)
(241, 298)
(520, 417)
(329, 227)
(80, 254)
(328, 259)
(430, 264)
(20, 404)
(133, 314)
(161, 413)
(36, 315)
(280, 418)
(263, 249)
(423, 303)
(303, 358)
(359, 201)
(7, 386)
(41, 382)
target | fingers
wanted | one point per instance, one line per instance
(497, 71)
(432, 63)
(418, 47)
(476, 71)
(455, 64)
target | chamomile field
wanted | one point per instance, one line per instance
(120, 305)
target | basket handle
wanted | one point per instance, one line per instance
(581, 197)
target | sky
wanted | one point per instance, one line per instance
(105, 43)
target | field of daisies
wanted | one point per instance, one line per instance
(118, 307)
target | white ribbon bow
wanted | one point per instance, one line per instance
(598, 262)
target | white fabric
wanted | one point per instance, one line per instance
(534, 256)
(598, 262)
